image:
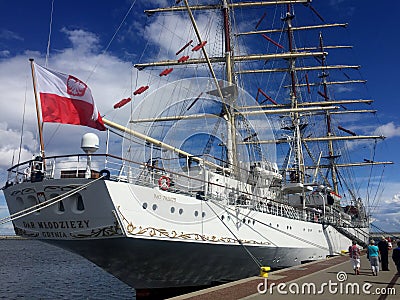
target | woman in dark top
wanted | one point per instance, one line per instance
(396, 257)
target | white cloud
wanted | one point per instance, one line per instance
(386, 210)
(82, 41)
(109, 82)
(389, 130)
(4, 53)
(10, 35)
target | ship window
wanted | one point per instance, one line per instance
(32, 201)
(61, 206)
(203, 214)
(180, 211)
(154, 207)
(79, 203)
(144, 205)
(196, 213)
(172, 210)
(20, 201)
(222, 217)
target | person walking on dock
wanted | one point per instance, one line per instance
(396, 257)
(384, 251)
(373, 256)
(354, 253)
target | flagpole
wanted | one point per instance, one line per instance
(37, 109)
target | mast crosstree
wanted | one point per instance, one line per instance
(294, 114)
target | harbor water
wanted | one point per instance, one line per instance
(35, 270)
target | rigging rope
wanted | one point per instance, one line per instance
(48, 40)
(383, 231)
(377, 190)
(258, 263)
(369, 178)
(281, 231)
(46, 203)
(112, 39)
(22, 125)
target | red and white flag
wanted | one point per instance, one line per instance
(66, 99)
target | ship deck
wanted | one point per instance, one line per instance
(384, 286)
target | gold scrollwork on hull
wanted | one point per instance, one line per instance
(109, 231)
(132, 229)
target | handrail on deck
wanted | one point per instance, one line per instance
(255, 202)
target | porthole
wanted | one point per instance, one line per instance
(203, 214)
(80, 206)
(180, 211)
(172, 210)
(196, 213)
(144, 205)
(222, 217)
(154, 207)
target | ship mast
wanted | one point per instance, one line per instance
(296, 108)
(230, 114)
(331, 155)
(228, 101)
(299, 175)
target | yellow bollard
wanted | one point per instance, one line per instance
(264, 271)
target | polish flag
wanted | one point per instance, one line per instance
(66, 99)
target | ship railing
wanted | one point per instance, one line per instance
(119, 169)
(53, 167)
(278, 209)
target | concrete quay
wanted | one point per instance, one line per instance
(11, 237)
(332, 278)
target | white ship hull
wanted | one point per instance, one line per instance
(150, 238)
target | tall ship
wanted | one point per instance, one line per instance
(236, 155)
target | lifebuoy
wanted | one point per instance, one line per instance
(105, 174)
(164, 182)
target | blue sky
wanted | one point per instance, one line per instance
(81, 31)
